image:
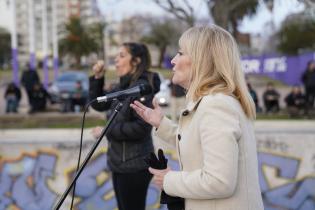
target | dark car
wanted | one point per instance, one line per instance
(65, 86)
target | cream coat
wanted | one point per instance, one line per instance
(216, 147)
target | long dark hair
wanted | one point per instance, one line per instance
(138, 51)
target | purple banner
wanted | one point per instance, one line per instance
(45, 68)
(56, 67)
(32, 61)
(287, 69)
(15, 66)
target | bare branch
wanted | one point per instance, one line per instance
(308, 3)
(179, 12)
(191, 9)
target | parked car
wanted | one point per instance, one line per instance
(164, 95)
(65, 86)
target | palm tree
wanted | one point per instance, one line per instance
(78, 41)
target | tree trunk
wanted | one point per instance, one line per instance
(161, 57)
(234, 27)
(220, 15)
(78, 61)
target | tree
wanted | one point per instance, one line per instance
(297, 34)
(229, 13)
(97, 34)
(308, 3)
(77, 41)
(5, 46)
(161, 35)
(184, 13)
(134, 28)
(225, 13)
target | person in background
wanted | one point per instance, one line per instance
(78, 100)
(177, 100)
(28, 80)
(129, 139)
(271, 99)
(253, 94)
(295, 101)
(308, 79)
(39, 97)
(215, 136)
(12, 96)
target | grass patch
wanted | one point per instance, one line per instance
(284, 116)
(274, 117)
(44, 121)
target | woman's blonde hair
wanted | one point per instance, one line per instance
(216, 66)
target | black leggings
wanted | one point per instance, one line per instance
(131, 189)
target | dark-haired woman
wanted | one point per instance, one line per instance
(129, 139)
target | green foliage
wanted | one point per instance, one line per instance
(228, 13)
(161, 35)
(97, 34)
(5, 47)
(78, 41)
(297, 35)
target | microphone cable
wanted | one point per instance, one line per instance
(80, 150)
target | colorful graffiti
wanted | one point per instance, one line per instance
(24, 183)
(291, 193)
(94, 186)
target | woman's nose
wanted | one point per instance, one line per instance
(173, 61)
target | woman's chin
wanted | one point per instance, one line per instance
(176, 82)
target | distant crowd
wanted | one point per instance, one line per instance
(298, 102)
(38, 96)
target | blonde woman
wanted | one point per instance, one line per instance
(214, 137)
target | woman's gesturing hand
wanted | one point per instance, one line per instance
(152, 116)
(99, 69)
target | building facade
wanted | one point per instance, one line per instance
(87, 10)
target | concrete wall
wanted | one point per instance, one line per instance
(36, 166)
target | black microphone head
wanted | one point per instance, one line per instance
(145, 89)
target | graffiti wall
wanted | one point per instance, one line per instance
(35, 171)
(287, 166)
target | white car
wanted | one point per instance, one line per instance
(164, 95)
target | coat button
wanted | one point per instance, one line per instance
(179, 137)
(185, 113)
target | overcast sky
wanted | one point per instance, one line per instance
(118, 9)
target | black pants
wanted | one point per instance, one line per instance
(131, 189)
(272, 105)
(310, 96)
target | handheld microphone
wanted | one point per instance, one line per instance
(139, 90)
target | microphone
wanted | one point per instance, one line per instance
(139, 90)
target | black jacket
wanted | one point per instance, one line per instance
(129, 137)
(29, 78)
(308, 78)
(12, 89)
(295, 100)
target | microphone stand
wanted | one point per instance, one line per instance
(89, 155)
